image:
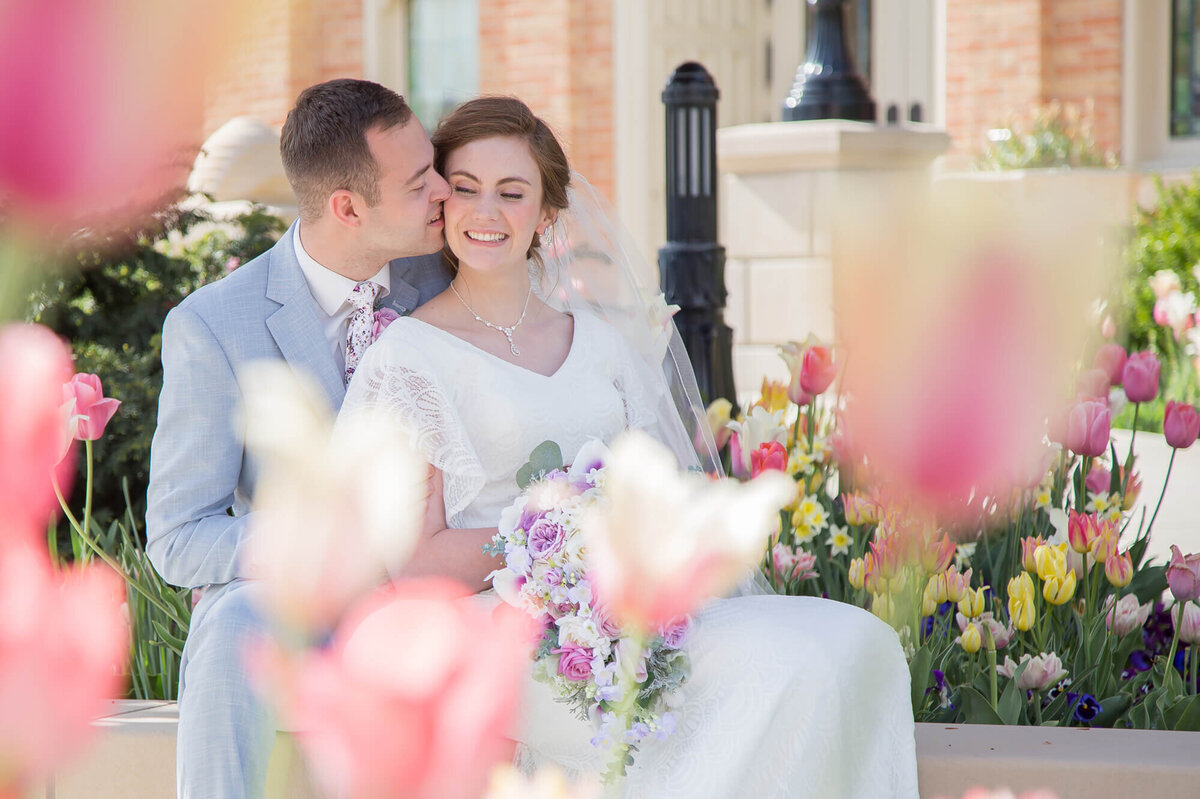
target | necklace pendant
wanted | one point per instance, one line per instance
(513, 348)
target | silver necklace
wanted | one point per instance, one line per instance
(507, 331)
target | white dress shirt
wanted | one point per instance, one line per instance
(332, 294)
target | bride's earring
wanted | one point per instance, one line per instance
(547, 235)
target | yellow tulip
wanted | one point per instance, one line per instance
(929, 602)
(1021, 601)
(856, 574)
(972, 604)
(1119, 569)
(971, 640)
(1051, 561)
(1059, 591)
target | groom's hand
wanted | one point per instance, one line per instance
(435, 504)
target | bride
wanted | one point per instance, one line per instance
(534, 341)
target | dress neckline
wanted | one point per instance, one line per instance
(498, 359)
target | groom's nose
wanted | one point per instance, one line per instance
(441, 189)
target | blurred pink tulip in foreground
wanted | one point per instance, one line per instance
(664, 541)
(34, 432)
(62, 642)
(415, 697)
(100, 103)
(1089, 425)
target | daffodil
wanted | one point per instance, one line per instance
(839, 541)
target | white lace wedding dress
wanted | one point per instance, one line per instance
(788, 697)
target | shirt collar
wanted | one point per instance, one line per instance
(328, 288)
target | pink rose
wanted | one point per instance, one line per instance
(383, 318)
(605, 623)
(1140, 376)
(1181, 424)
(675, 632)
(817, 370)
(1088, 427)
(93, 408)
(574, 662)
(1183, 575)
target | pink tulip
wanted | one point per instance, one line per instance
(1183, 575)
(1160, 312)
(124, 72)
(737, 462)
(91, 406)
(1092, 384)
(793, 564)
(1082, 530)
(1181, 424)
(1108, 329)
(1088, 427)
(817, 370)
(1099, 479)
(793, 355)
(1044, 671)
(418, 674)
(1119, 569)
(34, 435)
(62, 642)
(1140, 376)
(1111, 360)
(769, 456)
(1126, 615)
(1186, 617)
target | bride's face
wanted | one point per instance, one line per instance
(495, 203)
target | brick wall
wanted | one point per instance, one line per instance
(1002, 59)
(556, 55)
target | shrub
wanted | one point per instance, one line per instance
(109, 296)
(1056, 135)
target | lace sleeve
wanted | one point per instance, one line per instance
(392, 379)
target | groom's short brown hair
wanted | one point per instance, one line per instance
(324, 143)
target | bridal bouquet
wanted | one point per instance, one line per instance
(604, 673)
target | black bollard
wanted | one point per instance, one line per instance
(827, 84)
(692, 263)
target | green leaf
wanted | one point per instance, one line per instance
(920, 668)
(1111, 710)
(1149, 582)
(1012, 698)
(976, 708)
(1183, 715)
(546, 457)
(173, 642)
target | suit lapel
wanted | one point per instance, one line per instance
(295, 326)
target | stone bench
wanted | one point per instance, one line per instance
(134, 758)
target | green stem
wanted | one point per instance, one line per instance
(1037, 708)
(624, 709)
(1137, 406)
(1175, 638)
(109, 559)
(1193, 662)
(1162, 493)
(87, 497)
(990, 643)
(1085, 466)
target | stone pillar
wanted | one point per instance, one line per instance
(779, 183)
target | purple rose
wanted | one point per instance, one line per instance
(574, 662)
(545, 537)
(383, 318)
(675, 632)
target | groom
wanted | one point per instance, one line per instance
(361, 167)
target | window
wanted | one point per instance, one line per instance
(443, 56)
(1185, 69)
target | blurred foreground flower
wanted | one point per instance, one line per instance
(1005, 793)
(34, 428)
(547, 783)
(62, 643)
(414, 699)
(665, 540)
(958, 317)
(334, 514)
(100, 104)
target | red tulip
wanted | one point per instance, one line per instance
(1088, 428)
(418, 674)
(1111, 358)
(1181, 424)
(90, 405)
(34, 434)
(1140, 376)
(817, 370)
(62, 641)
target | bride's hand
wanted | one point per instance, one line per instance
(435, 506)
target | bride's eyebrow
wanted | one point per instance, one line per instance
(462, 173)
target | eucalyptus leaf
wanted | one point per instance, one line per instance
(546, 457)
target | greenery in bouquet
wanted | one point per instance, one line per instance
(1034, 606)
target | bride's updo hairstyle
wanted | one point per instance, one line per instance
(490, 117)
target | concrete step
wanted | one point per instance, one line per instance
(134, 758)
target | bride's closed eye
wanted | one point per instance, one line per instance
(463, 190)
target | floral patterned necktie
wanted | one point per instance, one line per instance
(360, 334)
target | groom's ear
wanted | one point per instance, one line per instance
(344, 206)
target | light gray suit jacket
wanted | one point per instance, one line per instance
(199, 471)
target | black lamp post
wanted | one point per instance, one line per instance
(827, 85)
(692, 263)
